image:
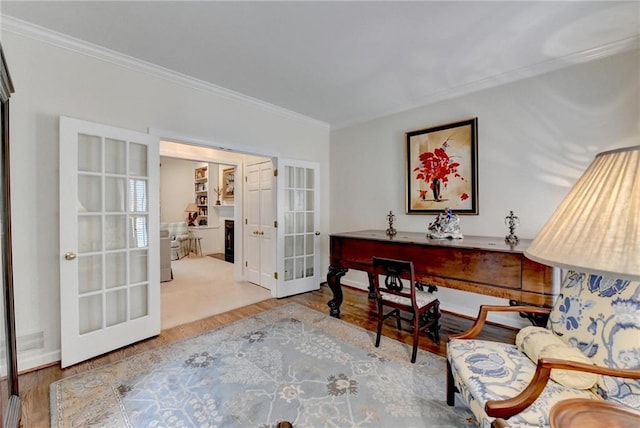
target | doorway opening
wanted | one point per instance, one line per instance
(202, 204)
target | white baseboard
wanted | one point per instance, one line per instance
(27, 361)
(454, 301)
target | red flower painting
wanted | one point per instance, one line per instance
(435, 168)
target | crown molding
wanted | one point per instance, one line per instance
(64, 41)
(36, 32)
(540, 68)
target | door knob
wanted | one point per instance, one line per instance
(70, 256)
(317, 233)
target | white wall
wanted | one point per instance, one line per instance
(535, 138)
(51, 81)
(176, 188)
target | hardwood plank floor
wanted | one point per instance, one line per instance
(356, 309)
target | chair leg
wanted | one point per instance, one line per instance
(451, 388)
(379, 332)
(416, 337)
(435, 328)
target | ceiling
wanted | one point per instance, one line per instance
(347, 62)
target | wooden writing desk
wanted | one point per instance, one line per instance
(484, 265)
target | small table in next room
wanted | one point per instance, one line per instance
(484, 265)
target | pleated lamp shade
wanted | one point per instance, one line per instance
(191, 208)
(596, 228)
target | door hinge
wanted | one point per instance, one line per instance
(245, 221)
(275, 275)
(275, 172)
(275, 223)
(245, 179)
(246, 264)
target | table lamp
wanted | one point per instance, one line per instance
(192, 210)
(596, 228)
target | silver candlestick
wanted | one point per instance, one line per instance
(511, 221)
(391, 217)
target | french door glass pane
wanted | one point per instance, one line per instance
(299, 267)
(310, 178)
(116, 307)
(139, 301)
(309, 244)
(89, 233)
(116, 269)
(138, 195)
(89, 153)
(288, 246)
(89, 193)
(139, 232)
(115, 232)
(138, 159)
(137, 267)
(115, 156)
(90, 313)
(288, 269)
(89, 273)
(114, 194)
(309, 269)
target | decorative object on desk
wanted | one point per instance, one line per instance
(445, 225)
(511, 221)
(391, 231)
(218, 191)
(192, 213)
(442, 169)
(228, 183)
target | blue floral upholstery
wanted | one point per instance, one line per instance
(598, 315)
(601, 317)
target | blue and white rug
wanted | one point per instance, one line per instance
(286, 364)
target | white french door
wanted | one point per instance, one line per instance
(259, 229)
(109, 238)
(298, 227)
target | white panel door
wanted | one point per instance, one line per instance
(259, 225)
(109, 238)
(298, 231)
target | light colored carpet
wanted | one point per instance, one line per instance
(204, 286)
(288, 363)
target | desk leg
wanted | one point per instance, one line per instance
(333, 280)
(372, 289)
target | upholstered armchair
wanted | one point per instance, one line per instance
(589, 349)
(179, 237)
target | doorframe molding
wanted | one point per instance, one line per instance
(238, 150)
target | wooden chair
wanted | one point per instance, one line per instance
(422, 305)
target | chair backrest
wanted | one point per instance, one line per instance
(398, 275)
(601, 317)
(175, 229)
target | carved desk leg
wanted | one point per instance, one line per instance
(372, 290)
(333, 280)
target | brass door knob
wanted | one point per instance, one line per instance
(70, 256)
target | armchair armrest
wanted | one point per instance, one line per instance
(481, 319)
(515, 405)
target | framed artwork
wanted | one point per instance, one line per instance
(228, 183)
(442, 169)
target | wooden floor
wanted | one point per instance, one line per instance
(356, 309)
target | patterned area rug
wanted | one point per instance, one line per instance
(286, 364)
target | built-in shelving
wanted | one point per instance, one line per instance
(201, 189)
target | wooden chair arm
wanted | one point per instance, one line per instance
(477, 326)
(512, 406)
